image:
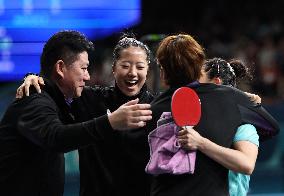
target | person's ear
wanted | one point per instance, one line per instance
(217, 80)
(60, 68)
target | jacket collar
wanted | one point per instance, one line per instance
(52, 89)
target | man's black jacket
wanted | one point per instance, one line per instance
(34, 133)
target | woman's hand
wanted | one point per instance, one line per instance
(190, 139)
(34, 80)
(254, 98)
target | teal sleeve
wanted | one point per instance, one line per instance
(239, 183)
(247, 132)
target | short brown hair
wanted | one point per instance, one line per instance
(181, 58)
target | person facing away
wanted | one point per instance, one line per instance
(114, 166)
(35, 131)
(181, 58)
(243, 156)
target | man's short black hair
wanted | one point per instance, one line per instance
(64, 45)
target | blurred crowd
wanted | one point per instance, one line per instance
(262, 49)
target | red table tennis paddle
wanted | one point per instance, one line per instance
(186, 107)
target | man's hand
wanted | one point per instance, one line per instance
(34, 80)
(130, 115)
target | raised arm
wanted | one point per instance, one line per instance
(41, 124)
(255, 114)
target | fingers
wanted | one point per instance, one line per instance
(141, 106)
(140, 112)
(186, 134)
(132, 121)
(130, 115)
(31, 80)
(187, 145)
(41, 81)
(19, 93)
(140, 119)
(182, 136)
(182, 132)
(36, 81)
(182, 142)
(253, 97)
(37, 87)
(257, 99)
(185, 131)
(137, 125)
(132, 102)
(27, 88)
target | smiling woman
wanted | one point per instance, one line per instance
(131, 60)
(130, 70)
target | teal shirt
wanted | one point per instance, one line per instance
(239, 183)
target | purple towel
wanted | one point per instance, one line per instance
(166, 156)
